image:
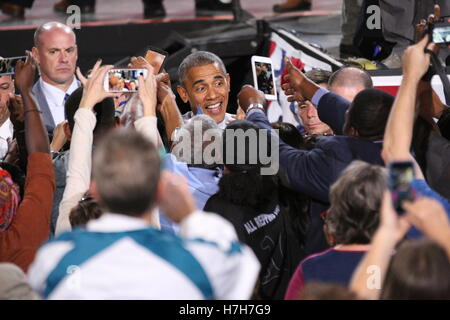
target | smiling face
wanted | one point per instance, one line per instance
(57, 55)
(310, 118)
(206, 87)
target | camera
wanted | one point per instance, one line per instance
(440, 31)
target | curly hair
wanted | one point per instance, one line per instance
(355, 202)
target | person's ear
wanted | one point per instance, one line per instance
(67, 131)
(183, 94)
(35, 53)
(228, 81)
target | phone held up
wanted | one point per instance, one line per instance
(123, 80)
(8, 65)
(440, 31)
(263, 76)
(401, 174)
(156, 57)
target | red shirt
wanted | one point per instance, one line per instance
(31, 224)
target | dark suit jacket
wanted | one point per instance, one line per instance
(43, 106)
(331, 110)
(313, 172)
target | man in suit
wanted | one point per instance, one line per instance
(313, 172)
(55, 50)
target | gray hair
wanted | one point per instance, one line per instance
(190, 130)
(355, 203)
(197, 59)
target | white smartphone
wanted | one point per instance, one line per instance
(263, 76)
(123, 80)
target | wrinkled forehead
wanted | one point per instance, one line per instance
(205, 72)
(5, 79)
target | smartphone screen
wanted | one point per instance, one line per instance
(123, 80)
(8, 65)
(401, 174)
(441, 34)
(156, 57)
(263, 76)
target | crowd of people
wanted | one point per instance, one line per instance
(113, 195)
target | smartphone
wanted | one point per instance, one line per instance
(8, 65)
(401, 174)
(440, 31)
(263, 76)
(156, 57)
(123, 80)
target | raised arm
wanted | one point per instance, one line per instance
(35, 134)
(368, 278)
(297, 86)
(168, 105)
(399, 128)
(31, 224)
(80, 159)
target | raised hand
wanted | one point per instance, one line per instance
(148, 91)
(415, 61)
(174, 196)
(93, 91)
(249, 95)
(295, 80)
(24, 73)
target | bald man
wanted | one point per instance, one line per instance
(55, 50)
(348, 82)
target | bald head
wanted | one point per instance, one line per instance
(51, 27)
(349, 81)
(56, 53)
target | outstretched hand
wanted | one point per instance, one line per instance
(93, 91)
(148, 91)
(24, 73)
(16, 111)
(174, 196)
(294, 81)
(415, 60)
(249, 95)
(391, 223)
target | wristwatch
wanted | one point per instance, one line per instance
(255, 106)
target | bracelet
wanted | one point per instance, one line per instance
(32, 110)
(255, 106)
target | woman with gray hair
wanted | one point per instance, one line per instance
(349, 226)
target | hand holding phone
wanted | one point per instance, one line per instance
(123, 80)
(440, 31)
(263, 76)
(401, 174)
(156, 57)
(8, 65)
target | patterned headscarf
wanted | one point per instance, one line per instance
(9, 199)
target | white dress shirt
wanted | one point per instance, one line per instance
(6, 131)
(55, 98)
